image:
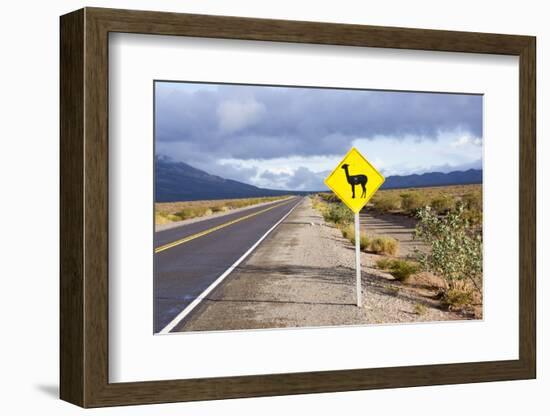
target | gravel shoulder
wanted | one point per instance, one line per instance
(303, 275)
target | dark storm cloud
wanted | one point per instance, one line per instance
(246, 122)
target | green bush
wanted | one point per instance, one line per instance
(384, 245)
(412, 201)
(401, 270)
(339, 214)
(456, 252)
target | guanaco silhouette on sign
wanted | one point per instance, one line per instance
(356, 180)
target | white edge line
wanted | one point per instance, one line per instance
(216, 282)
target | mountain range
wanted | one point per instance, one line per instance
(434, 179)
(178, 181)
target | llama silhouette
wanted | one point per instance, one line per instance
(356, 180)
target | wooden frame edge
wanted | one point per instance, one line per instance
(72, 368)
(84, 207)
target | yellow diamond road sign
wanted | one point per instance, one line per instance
(354, 180)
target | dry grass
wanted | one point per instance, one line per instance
(384, 245)
(348, 232)
(441, 198)
(433, 192)
(166, 212)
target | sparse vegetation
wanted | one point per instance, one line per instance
(166, 212)
(387, 203)
(443, 199)
(443, 203)
(384, 245)
(473, 208)
(449, 223)
(192, 212)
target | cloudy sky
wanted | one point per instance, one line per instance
(291, 138)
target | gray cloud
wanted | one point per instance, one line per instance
(304, 179)
(248, 122)
(202, 126)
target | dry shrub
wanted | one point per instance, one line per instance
(458, 298)
(348, 232)
(402, 270)
(384, 263)
(384, 245)
(161, 219)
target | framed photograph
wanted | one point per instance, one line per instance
(254, 207)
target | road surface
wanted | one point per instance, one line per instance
(191, 259)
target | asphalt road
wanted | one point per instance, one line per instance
(188, 259)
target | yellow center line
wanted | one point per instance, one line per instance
(216, 228)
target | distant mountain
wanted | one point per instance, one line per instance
(470, 176)
(177, 181)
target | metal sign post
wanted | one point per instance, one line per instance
(358, 260)
(355, 181)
